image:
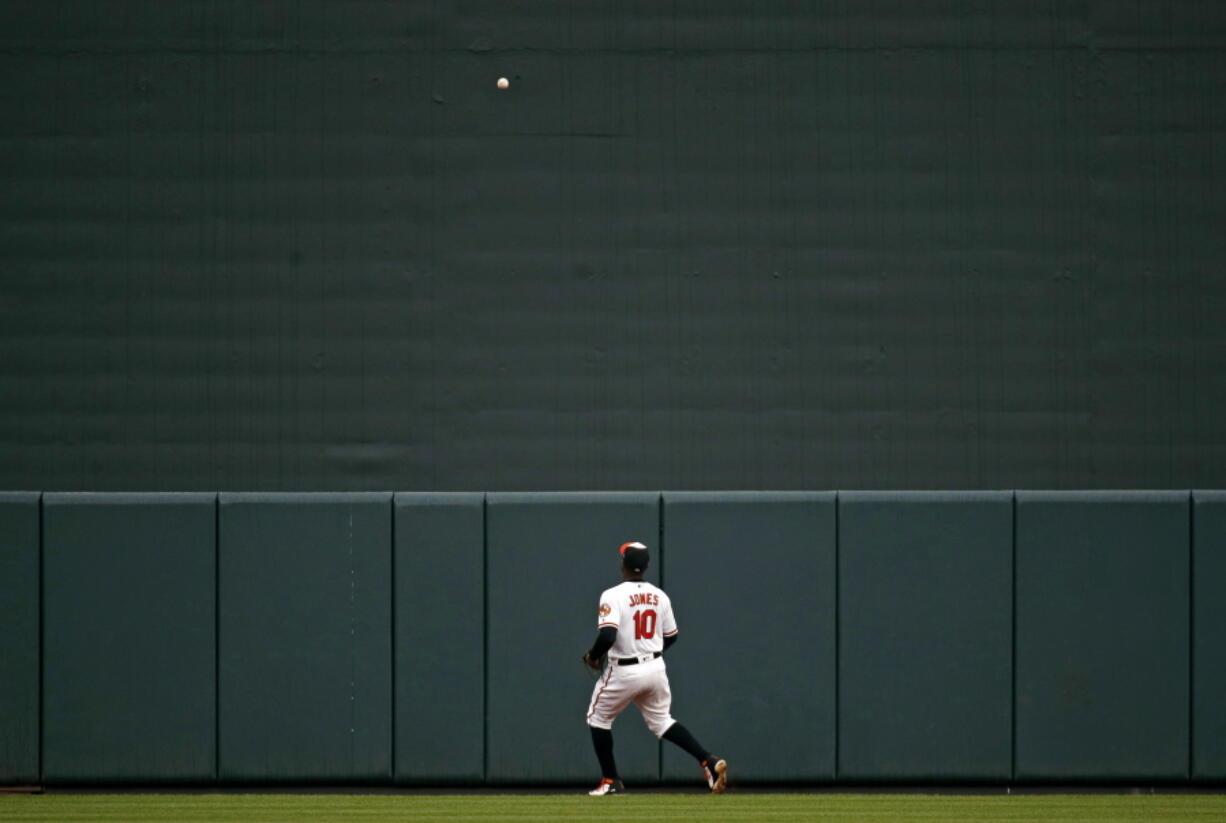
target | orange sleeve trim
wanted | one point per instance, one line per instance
(603, 625)
(670, 634)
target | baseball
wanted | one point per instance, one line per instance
(503, 83)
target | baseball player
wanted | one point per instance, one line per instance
(635, 626)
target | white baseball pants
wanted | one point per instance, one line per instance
(645, 684)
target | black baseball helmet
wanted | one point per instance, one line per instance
(635, 556)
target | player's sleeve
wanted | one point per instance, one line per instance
(608, 615)
(668, 623)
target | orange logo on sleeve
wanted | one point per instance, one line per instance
(605, 608)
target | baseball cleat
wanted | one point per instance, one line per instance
(608, 787)
(717, 775)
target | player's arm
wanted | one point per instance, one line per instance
(669, 625)
(606, 633)
(605, 638)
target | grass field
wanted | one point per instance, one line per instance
(655, 808)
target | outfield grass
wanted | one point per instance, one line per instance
(656, 808)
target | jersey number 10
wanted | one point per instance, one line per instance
(644, 625)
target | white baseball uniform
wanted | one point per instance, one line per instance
(643, 617)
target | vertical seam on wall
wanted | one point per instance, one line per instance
(838, 646)
(42, 599)
(392, 650)
(485, 638)
(1191, 635)
(1013, 644)
(663, 584)
(660, 535)
(217, 637)
(353, 639)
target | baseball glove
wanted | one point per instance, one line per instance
(596, 664)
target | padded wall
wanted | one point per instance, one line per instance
(925, 636)
(316, 625)
(1209, 636)
(19, 638)
(439, 602)
(129, 638)
(549, 558)
(305, 651)
(1102, 635)
(752, 575)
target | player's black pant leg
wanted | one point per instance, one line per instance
(681, 736)
(602, 741)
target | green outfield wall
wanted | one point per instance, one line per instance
(434, 638)
(20, 637)
(129, 645)
(304, 630)
(925, 645)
